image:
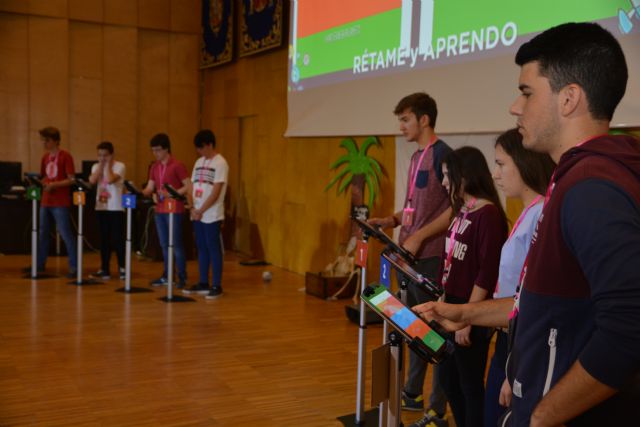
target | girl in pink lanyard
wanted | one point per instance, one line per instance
(471, 258)
(522, 175)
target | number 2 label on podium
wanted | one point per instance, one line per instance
(79, 198)
(361, 254)
(170, 205)
(385, 272)
(129, 201)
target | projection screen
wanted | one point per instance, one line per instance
(350, 61)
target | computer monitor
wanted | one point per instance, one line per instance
(10, 175)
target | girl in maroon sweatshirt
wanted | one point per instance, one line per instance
(469, 273)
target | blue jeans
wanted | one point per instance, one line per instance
(210, 252)
(162, 226)
(61, 217)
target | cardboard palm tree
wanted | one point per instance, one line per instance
(359, 172)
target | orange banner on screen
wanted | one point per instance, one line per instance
(315, 16)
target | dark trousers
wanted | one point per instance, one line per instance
(492, 408)
(111, 225)
(462, 377)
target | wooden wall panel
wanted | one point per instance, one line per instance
(14, 88)
(120, 98)
(48, 80)
(121, 12)
(86, 10)
(153, 93)
(53, 8)
(85, 96)
(15, 6)
(281, 200)
(185, 16)
(154, 14)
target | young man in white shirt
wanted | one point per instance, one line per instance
(209, 186)
(108, 177)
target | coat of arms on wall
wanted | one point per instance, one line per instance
(217, 32)
(260, 25)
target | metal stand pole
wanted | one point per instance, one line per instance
(127, 266)
(170, 297)
(395, 379)
(79, 280)
(34, 239)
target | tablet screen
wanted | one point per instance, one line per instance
(402, 317)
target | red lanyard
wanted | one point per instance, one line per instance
(163, 171)
(412, 185)
(515, 227)
(204, 169)
(452, 240)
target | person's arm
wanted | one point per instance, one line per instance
(491, 313)
(149, 189)
(601, 226)
(437, 226)
(111, 175)
(391, 221)
(575, 393)
(463, 336)
(209, 201)
(96, 172)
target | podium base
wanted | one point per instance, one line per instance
(353, 313)
(86, 282)
(177, 298)
(371, 418)
(39, 276)
(133, 290)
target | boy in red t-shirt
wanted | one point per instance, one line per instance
(167, 170)
(57, 170)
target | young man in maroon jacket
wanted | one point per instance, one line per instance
(575, 330)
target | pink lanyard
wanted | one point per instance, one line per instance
(515, 227)
(452, 240)
(203, 170)
(163, 171)
(523, 272)
(412, 187)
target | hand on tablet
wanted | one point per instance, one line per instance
(463, 336)
(449, 316)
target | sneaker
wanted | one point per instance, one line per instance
(122, 273)
(161, 281)
(100, 274)
(181, 284)
(214, 293)
(199, 288)
(431, 419)
(412, 403)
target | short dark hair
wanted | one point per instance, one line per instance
(204, 137)
(51, 133)
(161, 140)
(106, 145)
(468, 164)
(584, 54)
(535, 168)
(420, 104)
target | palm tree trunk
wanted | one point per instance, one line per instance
(357, 199)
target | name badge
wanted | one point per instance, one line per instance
(198, 193)
(407, 216)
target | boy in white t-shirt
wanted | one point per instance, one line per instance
(108, 177)
(209, 185)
